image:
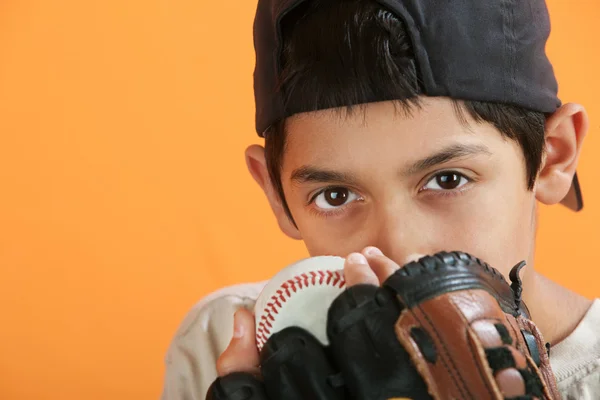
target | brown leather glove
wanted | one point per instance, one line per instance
(445, 327)
(467, 331)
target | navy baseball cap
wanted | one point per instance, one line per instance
(478, 50)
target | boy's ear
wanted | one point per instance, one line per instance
(564, 135)
(257, 166)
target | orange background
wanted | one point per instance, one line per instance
(124, 197)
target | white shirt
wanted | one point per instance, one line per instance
(207, 329)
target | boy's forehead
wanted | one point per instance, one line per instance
(330, 135)
(439, 115)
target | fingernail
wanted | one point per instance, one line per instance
(373, 251)
(238, 327)
(357, 258)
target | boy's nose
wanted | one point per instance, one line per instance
(401, 240)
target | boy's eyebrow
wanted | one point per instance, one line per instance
(447, 154)
(307, 173)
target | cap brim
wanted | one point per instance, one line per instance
(574, 199)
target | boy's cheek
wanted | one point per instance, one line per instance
(500, 234)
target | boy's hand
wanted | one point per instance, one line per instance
(367, 267)
(241, 355)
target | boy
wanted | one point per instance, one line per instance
(395, 128)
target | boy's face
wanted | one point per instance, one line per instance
(417, 184)
(407, 184)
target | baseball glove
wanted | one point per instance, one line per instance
(447, 326)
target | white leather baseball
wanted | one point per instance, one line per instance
(300, 295)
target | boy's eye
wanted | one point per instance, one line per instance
(334, 197)
(446, 181)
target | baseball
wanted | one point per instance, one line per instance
(299, 295)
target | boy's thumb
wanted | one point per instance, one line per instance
(242, 354)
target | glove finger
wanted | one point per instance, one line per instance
(295, 366)
(236, 386)
(515, 374)
(494, 336)
(374, 365)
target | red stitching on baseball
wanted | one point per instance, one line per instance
(330, 278)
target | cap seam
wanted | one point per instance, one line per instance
(513, 58)
(507, 30)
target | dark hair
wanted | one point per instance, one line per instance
(344, 54)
